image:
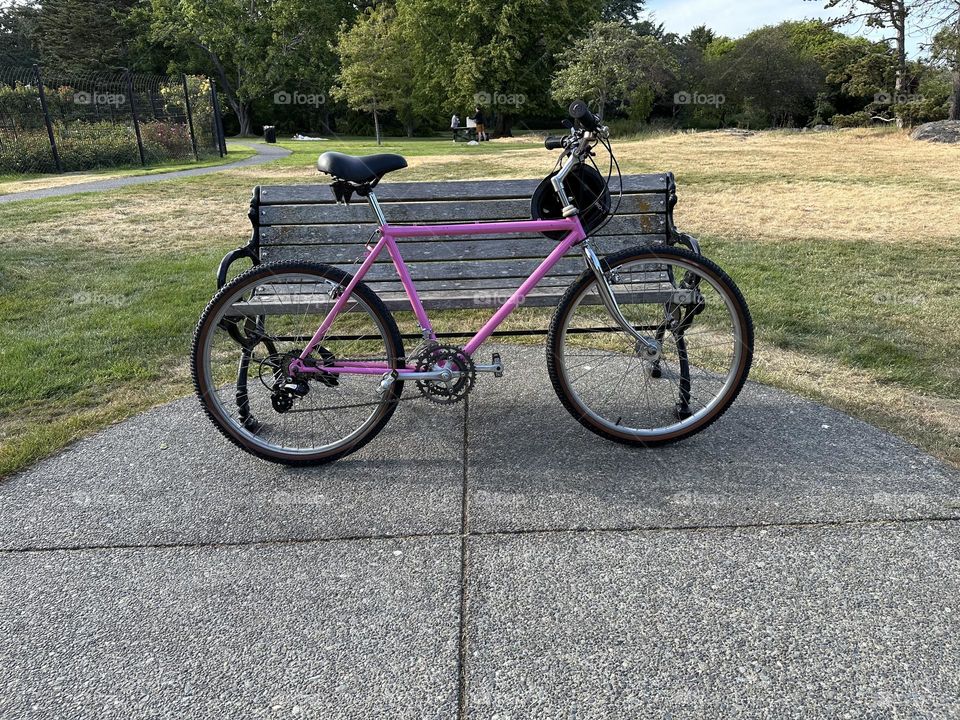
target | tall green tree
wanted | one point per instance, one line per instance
(18, 35)
(622, 10)
(772, 80)
(855, 69)
(226, 39)
(253, 48)
(77, 36)
(892, 15)
(613, 63)
(376, 70)
(700, 37)
(945, 48)
(476, 50)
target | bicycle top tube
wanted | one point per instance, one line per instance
(507, 227)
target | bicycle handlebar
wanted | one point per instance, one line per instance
(581, 113)
(555, 142)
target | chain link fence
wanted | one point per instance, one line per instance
(52, 122)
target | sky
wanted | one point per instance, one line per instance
(734, 18)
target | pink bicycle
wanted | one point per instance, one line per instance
(647, 346)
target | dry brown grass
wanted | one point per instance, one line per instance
(52, 181)
(857, 185)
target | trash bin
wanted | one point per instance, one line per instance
(270, 133)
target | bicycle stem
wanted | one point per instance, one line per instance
(569, 209)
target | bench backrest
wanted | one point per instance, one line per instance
(304, 222)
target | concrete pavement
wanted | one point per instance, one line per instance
(493, 560)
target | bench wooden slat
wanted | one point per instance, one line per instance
(463, 250)
(426, 213)
(414, 191)
(435, 301)
(648, 224)
(352, 234)
(453, 270)
(538, 298)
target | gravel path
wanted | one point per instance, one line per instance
(265, 153)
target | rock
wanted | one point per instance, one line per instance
(823, 128)
(945, 131)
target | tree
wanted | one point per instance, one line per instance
(945, 49)
(891, 14)
(375, 69)
(468, 52)
(227, 39)
(855, 69)
(252, 48)
(612, 62)
(18, 35)
(77, 36)
(623, 10)
(771, 79)
(302, 53)
(700, 37)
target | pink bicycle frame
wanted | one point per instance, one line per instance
(388, 240)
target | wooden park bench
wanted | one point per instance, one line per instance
(304, 222)
(464, 133)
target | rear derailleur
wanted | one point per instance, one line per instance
(287, 386)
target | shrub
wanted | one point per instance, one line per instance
(921, 111)
(165, 141)
(29, 153)
(860, 118)
(89, 146)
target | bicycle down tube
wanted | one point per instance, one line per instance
(388, 238)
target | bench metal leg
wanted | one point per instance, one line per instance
(242, 396)
(243, 399)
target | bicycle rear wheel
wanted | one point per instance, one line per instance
(256, 325)
(702, 331)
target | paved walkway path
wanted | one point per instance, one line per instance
(265, 153)
(492, 560)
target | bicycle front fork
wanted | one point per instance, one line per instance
(648, 347)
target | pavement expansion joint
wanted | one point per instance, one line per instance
(806, 525)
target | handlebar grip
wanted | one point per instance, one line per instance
(554, 142)
(581, 113)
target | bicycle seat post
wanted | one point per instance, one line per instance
(378, 211)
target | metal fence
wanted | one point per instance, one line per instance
(53, 122)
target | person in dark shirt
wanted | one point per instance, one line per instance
(481, 119)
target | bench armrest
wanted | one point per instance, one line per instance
(251, 249)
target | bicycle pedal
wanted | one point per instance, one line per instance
(498, 365)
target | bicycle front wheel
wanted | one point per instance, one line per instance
(251, 331)
(692, 364)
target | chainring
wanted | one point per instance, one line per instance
(435, 356)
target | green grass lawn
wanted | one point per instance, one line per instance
(305, 152)
(99, 293)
